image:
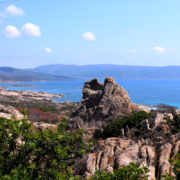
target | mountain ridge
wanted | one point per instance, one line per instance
(109, 70)
(9, 74)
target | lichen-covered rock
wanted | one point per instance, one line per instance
(102, 103)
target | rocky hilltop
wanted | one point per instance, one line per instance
(102, 103)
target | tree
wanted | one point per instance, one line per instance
(27, 154)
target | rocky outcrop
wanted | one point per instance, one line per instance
(102, 103)
(41, 126)
(9, 111)
(158, 123)
(114, 152)
(139, 107)
(29, 95)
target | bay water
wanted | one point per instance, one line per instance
(141, 91)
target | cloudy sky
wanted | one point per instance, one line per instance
(124, 32)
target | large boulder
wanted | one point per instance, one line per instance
(9, 111)
(102, 103)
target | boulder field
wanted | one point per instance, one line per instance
(102, 103)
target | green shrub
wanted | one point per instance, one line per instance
(176, 121)
(24, 112)
(113, 129)
(41, 155)
(44, 108)
(130, 172)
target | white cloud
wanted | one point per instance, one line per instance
(48, 50)
(27, 30)
(159, 49)
(11, 31)
(162, 49)
(89, 36)
(30, 29)
(134, 51)
(129, 31)
(14, 11)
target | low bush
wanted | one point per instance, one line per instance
(164, 108)
(130, 172)
(27, 154)
(113, 129)
(39, 115)
(44, 108)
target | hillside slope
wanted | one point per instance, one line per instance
(13, 74)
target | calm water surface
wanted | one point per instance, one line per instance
(142, 91)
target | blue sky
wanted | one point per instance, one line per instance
(124, 32)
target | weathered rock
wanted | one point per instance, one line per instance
(139, 107)
(9, 111)
(158, 122)
(161, 118)
(164, 165)
(42, 126)
(114, 152)
(101, 104)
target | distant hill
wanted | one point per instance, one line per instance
(8, 74)
(115, 71)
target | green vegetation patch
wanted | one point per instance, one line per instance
(114, 129)
(39, 155)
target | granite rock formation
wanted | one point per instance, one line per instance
(113, 152)
(102, 103)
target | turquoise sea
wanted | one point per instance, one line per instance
(142, 91)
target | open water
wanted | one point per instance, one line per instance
(142, 91)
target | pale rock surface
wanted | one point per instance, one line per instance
(158, 121)
(139, 107)
(42, 126)
(113, 152)
(9, 111)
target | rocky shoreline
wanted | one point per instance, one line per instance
(29, 95)
(31, 99)
(23, 85)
